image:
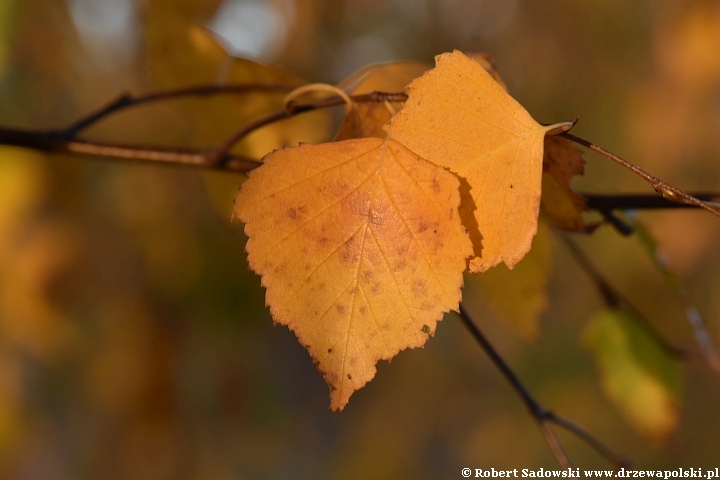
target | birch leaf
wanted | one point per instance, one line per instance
(458, 117)
(562, 206)
(361, 250)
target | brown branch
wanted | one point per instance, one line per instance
(665, 189)
(65, 140)
(52, 141)
(540, 414)
(55, 141)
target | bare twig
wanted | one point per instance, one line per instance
(540, 414)
(579, 431)
(666, 190)
(65, 141)
(127, 100)
(293, 109)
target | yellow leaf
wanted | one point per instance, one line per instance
(519, 296)
(562, 206)
(637, 374)
(367, 119)
(360, 247)
(458, 117)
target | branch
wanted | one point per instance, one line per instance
(665, 189)
(635, 201)
(65, 140)
(540, 414)
(53, 141)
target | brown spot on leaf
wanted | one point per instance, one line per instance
(292, 213)
(398, 266)
(419, 288)
(340, 308)
(427, 306)
(376, 219)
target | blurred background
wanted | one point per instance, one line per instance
(134, 341)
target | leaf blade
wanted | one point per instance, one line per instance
(360, 247)
(637, 375)
(457, 116)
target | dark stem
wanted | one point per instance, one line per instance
(634, 201)
(540, 414)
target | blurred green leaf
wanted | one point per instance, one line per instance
(638, 375)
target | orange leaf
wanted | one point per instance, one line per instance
(562, 206)
(458, 117)
(360, 247)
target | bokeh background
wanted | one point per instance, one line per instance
(134, 342)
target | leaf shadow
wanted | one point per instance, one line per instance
(467, 216)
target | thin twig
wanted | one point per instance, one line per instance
(540, 414)
(614, 299)
(666, 190)
(127, 100)
(293, 109)
(618, 460)
(55, 141)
